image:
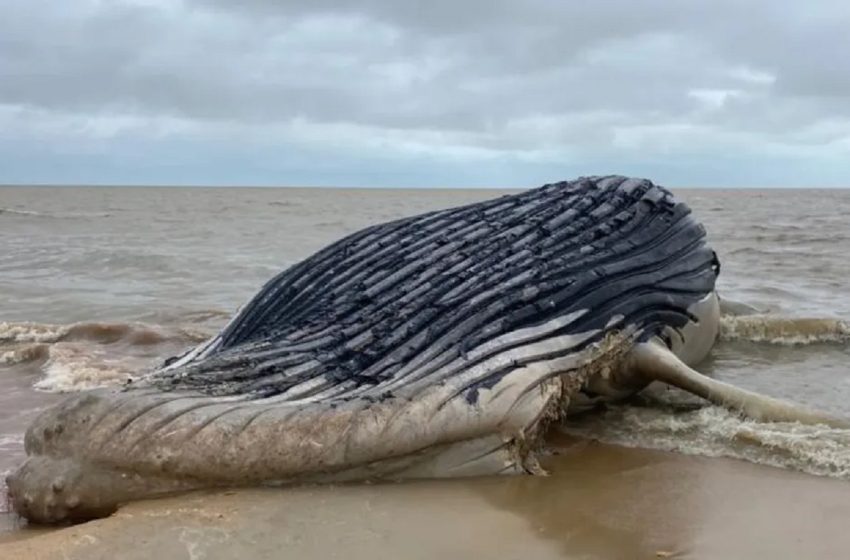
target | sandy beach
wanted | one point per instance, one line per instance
(600, 501)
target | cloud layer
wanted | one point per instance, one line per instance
(389, 93)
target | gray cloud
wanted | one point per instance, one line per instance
(609, 81)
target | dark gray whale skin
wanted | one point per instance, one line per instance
(433, 286)
(433, 345)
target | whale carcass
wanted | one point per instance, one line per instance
(430, 346)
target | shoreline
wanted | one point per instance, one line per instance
(600, 501)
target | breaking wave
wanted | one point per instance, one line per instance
(16, 212)
(133, 333)
(716, 432)
(788, 331)
(87, 355)
(36, 214)
(24, 353)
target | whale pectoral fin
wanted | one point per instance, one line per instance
(654, 361)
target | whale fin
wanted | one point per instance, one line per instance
(654, 361)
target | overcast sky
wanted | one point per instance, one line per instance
(424, 93)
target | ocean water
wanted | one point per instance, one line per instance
(99, 283)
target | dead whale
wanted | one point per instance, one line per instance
(430, 346)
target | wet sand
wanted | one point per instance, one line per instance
(600, 501)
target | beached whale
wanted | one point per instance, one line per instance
(436, 345)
